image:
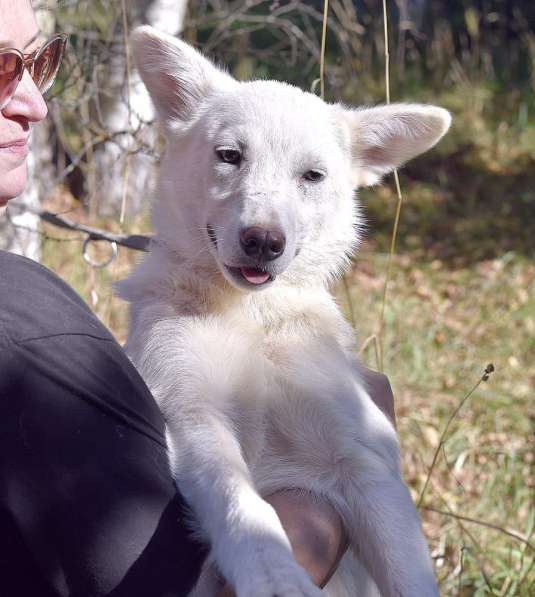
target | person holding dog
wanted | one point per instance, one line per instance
(87, 503)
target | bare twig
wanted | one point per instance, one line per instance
(488, 370)
(489, 525)
(138, 242)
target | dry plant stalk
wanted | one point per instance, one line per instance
(129, 107)
(322, 95)
(486, 374)
(322, 51)
(126, 173)
(388, 275)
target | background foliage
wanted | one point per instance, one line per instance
(462, 292)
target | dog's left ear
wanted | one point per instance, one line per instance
(385, 137)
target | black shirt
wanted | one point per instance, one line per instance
(87, 503)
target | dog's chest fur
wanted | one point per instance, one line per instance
(280, 353)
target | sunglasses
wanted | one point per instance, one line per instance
(43, 66)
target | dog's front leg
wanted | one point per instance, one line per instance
(196, 371)
(247, 539)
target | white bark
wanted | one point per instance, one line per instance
(16, 227)
(113, 164)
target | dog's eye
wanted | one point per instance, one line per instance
(228, 155)
(314, 175)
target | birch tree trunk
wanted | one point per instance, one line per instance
(124, 168)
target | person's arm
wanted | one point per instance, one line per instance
(313, 527)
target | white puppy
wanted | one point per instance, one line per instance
(235, 331)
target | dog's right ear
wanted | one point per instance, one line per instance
(177, 76)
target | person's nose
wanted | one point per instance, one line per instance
(27, 101)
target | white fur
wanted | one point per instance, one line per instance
(259, 387)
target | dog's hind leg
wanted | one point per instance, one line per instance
(386, 535)
(338, 444)
(208, 583)
(351, 579)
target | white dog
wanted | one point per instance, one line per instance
(235, 331)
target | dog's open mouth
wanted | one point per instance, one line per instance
(252, 275)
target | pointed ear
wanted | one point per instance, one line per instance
(177, 76)
(385, 137)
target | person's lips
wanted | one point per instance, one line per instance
(17, 146)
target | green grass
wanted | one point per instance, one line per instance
(462, 295)
(443, 325)
(463, 287)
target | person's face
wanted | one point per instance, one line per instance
(19, 30)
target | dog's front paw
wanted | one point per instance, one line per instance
(269, 571)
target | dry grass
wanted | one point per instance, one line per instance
(443, 325)
(462, 294)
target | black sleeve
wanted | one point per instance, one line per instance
(87, 504)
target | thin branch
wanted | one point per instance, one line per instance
(138, 242)
(489, 525)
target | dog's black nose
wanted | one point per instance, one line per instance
(261, 243)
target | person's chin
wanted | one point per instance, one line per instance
(3, 204)
(12, 184)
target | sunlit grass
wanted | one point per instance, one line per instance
(462, 295)
(443, 325)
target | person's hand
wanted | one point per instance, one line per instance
(313, 527)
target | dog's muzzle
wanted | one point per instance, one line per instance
(260, 247)
(262, 244)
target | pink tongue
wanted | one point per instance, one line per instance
(254, 276)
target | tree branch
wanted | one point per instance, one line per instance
(138, 242)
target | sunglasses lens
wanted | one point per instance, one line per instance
(10, 69)
(47, 64)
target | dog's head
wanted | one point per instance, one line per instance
(259, 176)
